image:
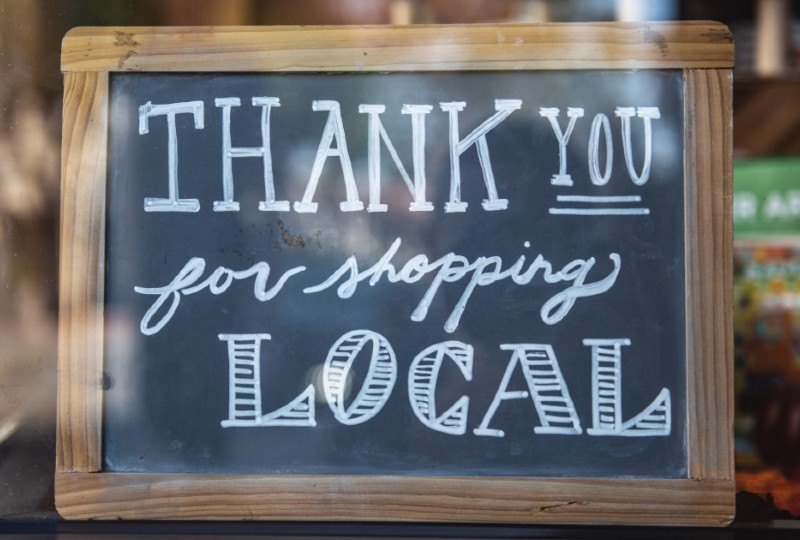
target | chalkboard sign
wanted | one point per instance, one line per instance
(373, 291)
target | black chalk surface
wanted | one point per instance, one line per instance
(167, 402)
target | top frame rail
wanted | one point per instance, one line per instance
(661, 45)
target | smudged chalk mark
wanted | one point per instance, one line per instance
(290, 239)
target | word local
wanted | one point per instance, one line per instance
(547, 388)
(376, 133)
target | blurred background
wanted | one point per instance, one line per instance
(766, 206)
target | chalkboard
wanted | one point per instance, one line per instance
(344, 284)
(613, 252)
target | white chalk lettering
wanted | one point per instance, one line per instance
(418, 113)
(603, 210)
(244, 378)
(244, 388)
(458, 146)
(422, 378)
(654, 420)
(537, 363)
(485, 271)
(551, 113)
(546, 387)
(185, 283)
(376, 134)
(333, 143)
(229, 152)
(173, 203)
(377, 386)
(600, 121)
(647, 114)
(333, 130)
(450, 268)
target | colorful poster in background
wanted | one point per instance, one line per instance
(766, 220)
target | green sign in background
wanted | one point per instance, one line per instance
(766, 197)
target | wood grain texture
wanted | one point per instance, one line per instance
(406, 48)
(706, 498)
(399, 498)
(709, 271)
(80, 346)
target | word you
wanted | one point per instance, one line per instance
(377, 136)
(547, 388)
(450, 268)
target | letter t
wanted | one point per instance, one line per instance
(173, 203)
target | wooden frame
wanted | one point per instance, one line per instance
(703, 50)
